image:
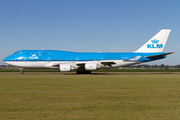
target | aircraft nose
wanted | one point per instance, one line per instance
(5, 59)
(8, 60)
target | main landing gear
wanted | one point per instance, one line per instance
(21, 70)
(82, 71)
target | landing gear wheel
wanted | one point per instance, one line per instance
(22, 72)
(83, 72)
(78, 72)
(87, 72)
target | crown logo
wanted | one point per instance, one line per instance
(154, 41)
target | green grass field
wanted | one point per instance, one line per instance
(55, 96)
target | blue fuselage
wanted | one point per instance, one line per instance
(56, 55)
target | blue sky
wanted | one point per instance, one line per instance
(88, 25)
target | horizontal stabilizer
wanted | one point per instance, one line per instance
(153, 56)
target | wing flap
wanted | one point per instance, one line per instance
(108, 63)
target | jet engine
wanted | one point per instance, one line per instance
(91, 66)
(65, 68)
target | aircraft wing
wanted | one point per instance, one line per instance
(107, 63)
(103, 63)
(51, 65)
(59, 64)
(134, 59)
(153, 56)
(80, 64)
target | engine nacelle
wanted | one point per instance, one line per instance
(90, 66)
(65, 68)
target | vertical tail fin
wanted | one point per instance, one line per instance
(156, 43)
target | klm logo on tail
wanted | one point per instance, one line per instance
(155, 44)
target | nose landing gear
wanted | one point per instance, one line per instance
(21, 70)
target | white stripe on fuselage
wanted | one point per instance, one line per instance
(48, 64)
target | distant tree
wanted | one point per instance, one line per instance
(162, 66)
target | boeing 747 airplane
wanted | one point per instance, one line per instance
(87, 62)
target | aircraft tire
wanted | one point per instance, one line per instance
(83, 72)
(78, 72)
(87, 72)
(22, 72)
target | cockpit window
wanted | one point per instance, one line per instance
(16, 53)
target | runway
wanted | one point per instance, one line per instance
(98, 73)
